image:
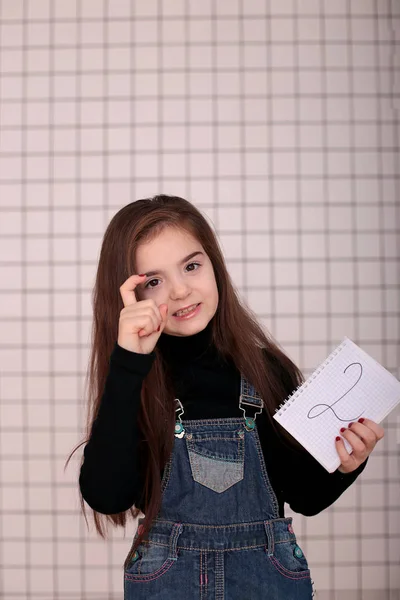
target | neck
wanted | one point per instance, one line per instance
(185, 348)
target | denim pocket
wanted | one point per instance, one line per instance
(216, 459)
(149, 562)
(289, 560)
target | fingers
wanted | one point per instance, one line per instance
(362, 436)
(367, 431)
(346, 460)
(127, 289)
(371, 426)
(162, 315)
(355, 442)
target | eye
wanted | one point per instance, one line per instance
(193, 263)
(147, 285)
(149, 282)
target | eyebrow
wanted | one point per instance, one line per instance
(150, 273)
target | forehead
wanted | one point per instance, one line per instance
(169, 242)
(167, 246)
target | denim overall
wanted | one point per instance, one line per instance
(218, 534)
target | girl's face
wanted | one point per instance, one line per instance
(179, 274)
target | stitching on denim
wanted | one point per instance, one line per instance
(246, 524)
(197, 423)
(209, 483)
(219, 576)
(265, 474)
(151, 576)
(194, 448)
(205, 573)
(195, 548)
(248, 389)
(167, 474)
(191, 447)
(261, 545)
(289, 574)
(215, 455)
(176, 532)
(214, 437)
(172, 555)
(270, 538)
(201, 575)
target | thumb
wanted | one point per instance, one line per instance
(164, 314)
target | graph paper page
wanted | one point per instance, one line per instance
(350, 384)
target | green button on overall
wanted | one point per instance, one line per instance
(298, 552)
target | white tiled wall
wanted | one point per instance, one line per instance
(279, 119)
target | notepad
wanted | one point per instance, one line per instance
(348, 385)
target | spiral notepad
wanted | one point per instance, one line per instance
(348, 385)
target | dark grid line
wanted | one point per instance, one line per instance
(359, 567)
(298, 202)
(160, 113)
(325, 564)
(394, 21)
(233, 260)
(326, 188)
(386, 558)
(52, 335)
(2, 511)
(178, 17)
(194, 150)
(77, 207)
(24, 271)
(265, 96)
(187, 71)
(314, 537)
(242, 153)
(287, 177)
(93, 208)
(123, 125)
(199, 44)
(215, 176)
(61, 485)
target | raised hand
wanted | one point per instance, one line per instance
(141, 322)
(363, 435)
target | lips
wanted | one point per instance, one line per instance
(187, 308)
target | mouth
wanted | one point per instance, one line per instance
(188, 312)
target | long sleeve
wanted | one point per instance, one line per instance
(306, 486)
(109, 479)
(297, 477)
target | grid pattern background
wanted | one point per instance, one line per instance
(277, 118)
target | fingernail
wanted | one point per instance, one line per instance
(361, 420)
(337, 438)
(350, 424)
(342, 429)
(142, 275)
(159, 327)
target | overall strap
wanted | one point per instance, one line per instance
(249, 397)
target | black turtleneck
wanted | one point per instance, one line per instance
(208, 387)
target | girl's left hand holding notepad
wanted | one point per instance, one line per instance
(363, 437)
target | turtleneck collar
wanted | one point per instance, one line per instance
(185, 348)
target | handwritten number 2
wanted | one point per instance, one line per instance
(324, 407)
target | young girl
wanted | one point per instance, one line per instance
(183, 386)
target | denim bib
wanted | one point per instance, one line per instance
(218, 534)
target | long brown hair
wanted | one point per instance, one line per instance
(235, 333)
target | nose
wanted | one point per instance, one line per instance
(179, 289)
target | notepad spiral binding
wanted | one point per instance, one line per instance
(300, 388)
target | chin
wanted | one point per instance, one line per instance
(187, 328)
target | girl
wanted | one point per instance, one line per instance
(183, 386)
